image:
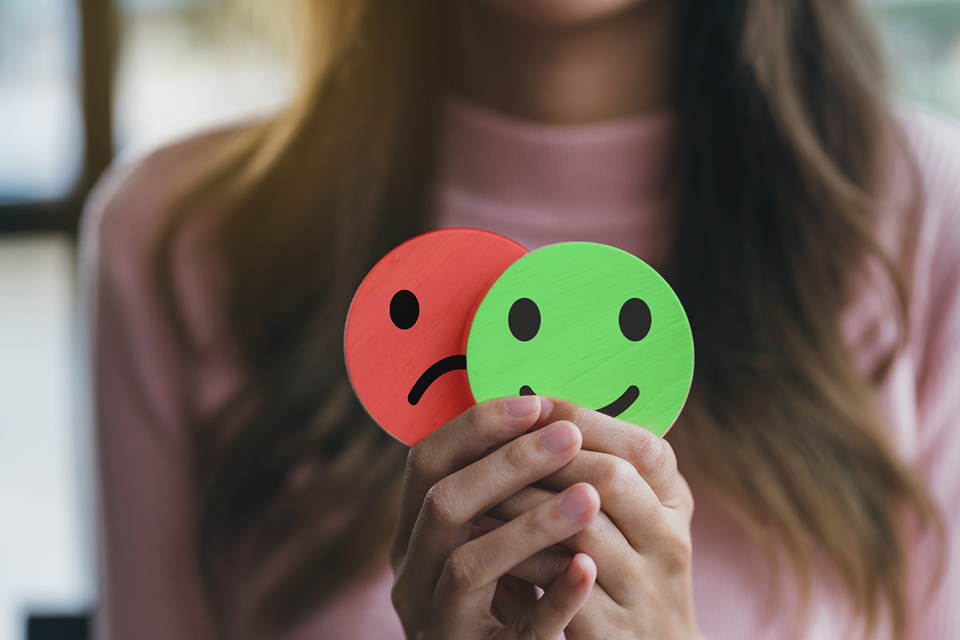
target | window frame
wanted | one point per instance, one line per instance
(98, 38)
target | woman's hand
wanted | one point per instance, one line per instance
(445, 581)
(640, 542)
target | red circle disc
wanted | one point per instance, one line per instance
(405, 333)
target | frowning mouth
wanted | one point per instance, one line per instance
(613, 409)
(437, 369)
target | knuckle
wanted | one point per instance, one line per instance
(516, 456)
(592, 538)
(525, 628)
(462, 571)
(653, 456)
(420, 462)
(616, 477)
(438, 506)
(677, 552)
(535, 526)
(540, 623)
(487, 415)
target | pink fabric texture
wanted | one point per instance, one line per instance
(537, 184)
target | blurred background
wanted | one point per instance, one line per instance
(85, 81)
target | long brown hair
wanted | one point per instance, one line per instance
(784, 124)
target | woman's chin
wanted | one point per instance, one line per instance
(561, 13)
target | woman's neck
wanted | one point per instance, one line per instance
(604, 70)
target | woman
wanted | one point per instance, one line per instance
(744, 148)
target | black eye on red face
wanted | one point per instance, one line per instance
(404, 309)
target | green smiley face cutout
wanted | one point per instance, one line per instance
(587, 323)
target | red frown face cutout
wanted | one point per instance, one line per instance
(405, 334)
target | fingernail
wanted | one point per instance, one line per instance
(521, 405)
(575, 574)
(574, 504)
(546, 406)
(557, 437)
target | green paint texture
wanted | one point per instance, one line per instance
(579, 353)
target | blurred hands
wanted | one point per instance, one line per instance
(640, 541)
(445, 581)
(544, 490)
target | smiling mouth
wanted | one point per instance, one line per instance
(437, 369)
(613, 409)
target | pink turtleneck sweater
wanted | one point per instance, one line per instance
(537, 184)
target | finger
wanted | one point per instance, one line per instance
(651, 456)
(455, 445)
(543, 567)
(471, 571)
(629, 502)
(561, 601)
(601, 540)
(454, 502)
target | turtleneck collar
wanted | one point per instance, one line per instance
(537, 183)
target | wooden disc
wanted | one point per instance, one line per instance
(405, 330)
(587, 323)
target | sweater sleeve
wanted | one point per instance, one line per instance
(150, 400)
(937, 354)
(150, 586)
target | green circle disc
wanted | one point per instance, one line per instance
(587, 323)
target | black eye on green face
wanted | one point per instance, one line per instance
(635, 319)
(404, 309)
(524, 319)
